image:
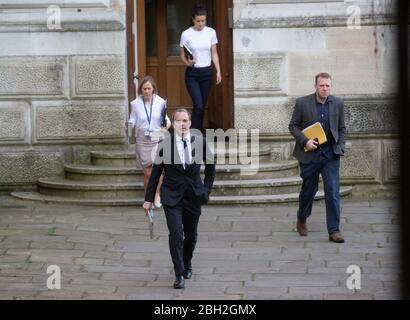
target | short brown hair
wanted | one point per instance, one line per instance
(144, 81)
(323, 75)
(181, 110)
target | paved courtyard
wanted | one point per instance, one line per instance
(242, 253)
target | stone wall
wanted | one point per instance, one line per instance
(62, 91)
(279, 46)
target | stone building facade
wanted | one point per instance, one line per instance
(63, 91)
(278, 48)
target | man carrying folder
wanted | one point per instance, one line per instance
(319, 159)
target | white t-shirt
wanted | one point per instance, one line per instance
(200, 43)
(138, 116)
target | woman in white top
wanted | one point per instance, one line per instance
(146, 116)
(201, 41)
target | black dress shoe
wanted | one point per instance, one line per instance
(179, 282)
(188, 274)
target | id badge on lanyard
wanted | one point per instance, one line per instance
(148, 132)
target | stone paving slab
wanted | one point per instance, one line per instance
(105, 253)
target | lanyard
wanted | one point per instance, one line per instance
(150, 112)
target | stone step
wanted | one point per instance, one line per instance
(256, 187)
(271, 198)
(127, 158)
(113, 158)
(92, 173)
(58, 186)
(223, 172)
(265, 170)
(239, 155)
(214, 200)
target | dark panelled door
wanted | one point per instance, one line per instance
(159, 27)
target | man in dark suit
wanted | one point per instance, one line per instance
(180, 156)
(321, 159)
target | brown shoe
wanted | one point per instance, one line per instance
(301, 227)
(336, 237)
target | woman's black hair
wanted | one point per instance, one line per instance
(198, 10)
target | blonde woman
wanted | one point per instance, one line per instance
(147, 116)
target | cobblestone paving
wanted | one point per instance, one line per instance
(242, 253)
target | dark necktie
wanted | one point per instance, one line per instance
(186, 151)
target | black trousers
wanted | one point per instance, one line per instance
(198, 82)
(182, 221)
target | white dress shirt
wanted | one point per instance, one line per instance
(180, 146)
(138, 116)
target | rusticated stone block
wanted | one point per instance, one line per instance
(98, 76)
(80, 120)
(274, 119)
(14, 121)
(28, 167)
(360, 162)
(32, 76)
(365, 115)
(371, 116)
(258, 74)
(392, 164)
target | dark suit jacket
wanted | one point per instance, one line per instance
(305, 114)
(176, 178)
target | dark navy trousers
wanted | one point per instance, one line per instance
(329, 169)
(182, 222)
(198, 82)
